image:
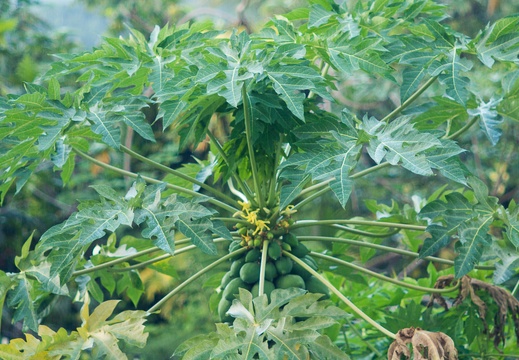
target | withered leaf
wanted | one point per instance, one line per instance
(426, 345)
(506, 302)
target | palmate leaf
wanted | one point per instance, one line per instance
(289, 89)
(267, 330)
(247, 343)
(444, 110)
(399, 142)
(318, 16)
(23, 299)
(296, 180)
(106, 126)
(473, 241)
(196, 230)
(348, 55)
(489, 118)
(499, 41)
(449, 73)
(444, 159)
(97, 335)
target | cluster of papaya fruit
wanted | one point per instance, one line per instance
(281, 272)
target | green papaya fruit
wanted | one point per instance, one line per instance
(233, 287)
(267, 289)
(270, 271)
(300, 250)
(253, 255)
(290, 280)
(284, 265)
(223, 307)
(250, 272)
(236, 266)
(226, 280)
(274, 250)
(313, 285)
(290, 239)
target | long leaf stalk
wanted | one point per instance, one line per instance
(370, 170)
(306, 223)
(385, 278)
(160, 258)
(328, 181)
(181, 175)
(343, 298)
(386, 249)
(114, 262)
(312, 197)
(194, 277)
(410, 100)
(252, 157)
(242, 185)
(315, 187)
(263, 266)
(463, 129)
(272, 193)
(150, 180)
(365, 233)
(126, 258)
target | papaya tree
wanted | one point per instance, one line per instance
(291, 282)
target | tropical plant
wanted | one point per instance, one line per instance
(295, 280)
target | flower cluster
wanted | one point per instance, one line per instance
(252, 217)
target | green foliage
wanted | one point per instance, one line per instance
(97, 335)
(285, 144)
(267, 330)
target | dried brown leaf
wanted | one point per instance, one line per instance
(426, 345)
(506, 302)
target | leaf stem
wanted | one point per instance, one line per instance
(243, 186)
(115, 262)
(383, 277)
(463, 129)
(161, 257)
(386, 249)
(310, 198)
(341, 296)
(365, 233)
(263, 266)
(150, 180)
(179, 174)
(305, 223)
(252, 158)
(328, 181)
(125, 258)
(369, 170)
(193, 278)
(410, 100)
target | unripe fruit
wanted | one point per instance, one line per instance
(233, 288)
(290, 239)
(223, 307)
(250, 272)
(300, 250)
(257, 242)
(290, 280)
(253, 255)
(274, 251)
(270, 271)
(267, 289)
(236, 266)
(284, 265)
(313, 285)
(226, 279)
